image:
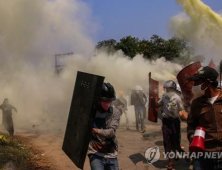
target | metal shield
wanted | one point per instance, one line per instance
(185, 85)
(82, 113)
(153, 99)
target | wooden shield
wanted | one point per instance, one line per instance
(82, 113)
(153, 99)
(185, 85)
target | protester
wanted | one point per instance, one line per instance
(118, 105)
(139, 101)
(103, 146)
(171, 105)
(7, 120)
(206, 111)
(124, 109)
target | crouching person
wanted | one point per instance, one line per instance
(103, 147)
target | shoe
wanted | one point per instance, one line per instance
(170, 167)
(142, 131)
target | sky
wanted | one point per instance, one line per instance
(139, 18)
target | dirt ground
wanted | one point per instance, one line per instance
(132, 146)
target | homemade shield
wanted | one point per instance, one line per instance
(153, 99)
(185, 85)
(82, 112)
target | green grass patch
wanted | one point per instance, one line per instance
(12, 150)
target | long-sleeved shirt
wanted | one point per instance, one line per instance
(207, 115)
(7, 109)
(171, 105)
(104, 144)
(139, 99)
(124, 101)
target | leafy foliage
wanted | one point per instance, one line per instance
(108, 45)
(173, 49)
(129, 45)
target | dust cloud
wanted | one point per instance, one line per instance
(32, 32)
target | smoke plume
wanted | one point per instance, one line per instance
(32, 32)
(201, 26)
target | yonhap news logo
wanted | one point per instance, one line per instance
(152, 154)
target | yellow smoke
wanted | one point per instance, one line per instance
(201, 26)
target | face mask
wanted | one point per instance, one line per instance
(197, 91)
(105, 105)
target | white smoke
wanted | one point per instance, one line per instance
(123, 72)
(32, 32)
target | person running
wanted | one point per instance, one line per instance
(7, 120)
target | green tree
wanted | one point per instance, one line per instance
(146, 48)
(129, 45)
(173, 49)
(108, 45)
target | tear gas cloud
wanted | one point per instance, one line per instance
(201, 26)
(32, 32)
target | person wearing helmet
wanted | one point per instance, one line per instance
(171, 105)
(119, 105)
(139, 101)
(124, 109)
(7, 120)
(103, 149)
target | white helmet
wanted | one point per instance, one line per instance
(138, 88)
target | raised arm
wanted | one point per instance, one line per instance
(14, 108)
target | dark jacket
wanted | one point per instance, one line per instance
(139, 99)
(209, 116)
